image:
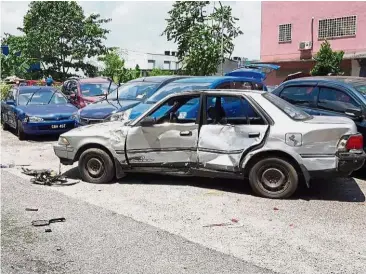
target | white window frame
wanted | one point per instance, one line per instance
(284, 27)
(326, 32)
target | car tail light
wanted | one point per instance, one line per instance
(355, 142)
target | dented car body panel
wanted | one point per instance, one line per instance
(217, 146)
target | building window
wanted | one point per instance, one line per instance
(150, 64)
(167, 65)
(337, 27)
(284, 33)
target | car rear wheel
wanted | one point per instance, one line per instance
(96, 166)
(20, 131)
(274, 178)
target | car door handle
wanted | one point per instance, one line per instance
(186, 133)
(253, 134)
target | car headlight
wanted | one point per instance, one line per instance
(34, 119)
(63, 141)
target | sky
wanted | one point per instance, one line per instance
(137, 26)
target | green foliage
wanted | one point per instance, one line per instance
(4, 90)
(14, 63)
(114, 67)
(60, 36)
(199, 35)
(327, 61)
(158, 72)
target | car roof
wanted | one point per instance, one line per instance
(34, 88)
(158, 79)
(340, 80)
(94, 80)
(218, 91)
(214, 79)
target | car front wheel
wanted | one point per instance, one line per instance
(20, 131)
(96, 166)
(274, 178)
(4, 125)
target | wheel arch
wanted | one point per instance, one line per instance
(301, 170)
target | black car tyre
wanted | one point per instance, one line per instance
(20, 131)
(274, 178)
(96, 166)
(4, 125)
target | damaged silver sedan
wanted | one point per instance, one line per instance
(217, 133)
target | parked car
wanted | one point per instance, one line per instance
(125, 97)
(328, 96)
(84, 91)
(37, 110)
(196, 83)
(275, 144)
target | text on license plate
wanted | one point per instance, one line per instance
(58, 126)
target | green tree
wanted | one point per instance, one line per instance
(327, 61)
(200, 36)
(60, 36)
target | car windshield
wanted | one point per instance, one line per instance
(175, 88)
(292, 111)
(41, 97)
(134, 91)
(361, 88)
(96, 89)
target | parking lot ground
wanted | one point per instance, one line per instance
(320, 230)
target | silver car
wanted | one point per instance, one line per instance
(219, 133)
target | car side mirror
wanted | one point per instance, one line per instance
(148, 122)
(354, 113)
(10, 102)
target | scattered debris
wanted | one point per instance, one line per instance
(31, 209)
(229, 224)
(46, 177)
(10, 165)
(275, 208)
(58, 248)
(291, 225)
(48, 230)
(47, 222)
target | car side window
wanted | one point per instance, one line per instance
(300, 95)
(241, 85)
(181, 110)
(335, 100)
(233, 110)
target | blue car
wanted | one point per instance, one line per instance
(123, 98)
(328, 96)
(37, 110)
(196, 83)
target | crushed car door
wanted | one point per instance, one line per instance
(166, 137)
(231, 126)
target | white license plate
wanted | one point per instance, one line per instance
(58, 126)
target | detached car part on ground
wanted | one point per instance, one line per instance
(234, 134)
(37, 110)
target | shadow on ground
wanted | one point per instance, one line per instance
(38, 139)
(340, 189)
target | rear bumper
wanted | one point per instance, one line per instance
(345, 164)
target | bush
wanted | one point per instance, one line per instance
(5, 88)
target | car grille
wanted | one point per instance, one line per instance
(86, 121)
(56, 119)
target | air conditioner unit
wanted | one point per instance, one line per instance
(305, 45)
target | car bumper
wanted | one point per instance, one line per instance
(344, 165)
(49, 127)
(66, 154)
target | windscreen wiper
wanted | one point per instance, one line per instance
(52, 96)
(32, 96)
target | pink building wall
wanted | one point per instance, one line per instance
(300, 14)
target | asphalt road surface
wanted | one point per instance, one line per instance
(157, 224)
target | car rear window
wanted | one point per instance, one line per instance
(290, 110)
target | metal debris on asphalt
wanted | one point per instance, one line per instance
(234, 223)
(46, 177)
(31, 209)
(275, 208)
(48, 230)
(47, 222)
(10, 165)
